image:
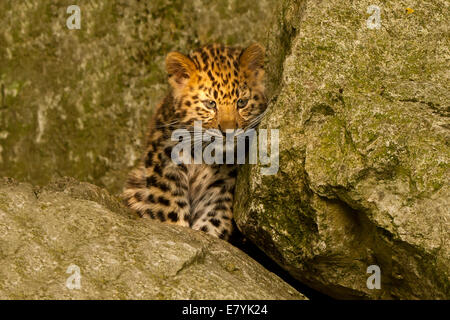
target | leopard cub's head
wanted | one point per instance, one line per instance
(221, 86)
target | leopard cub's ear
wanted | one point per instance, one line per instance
(179, 68)
(252, 61)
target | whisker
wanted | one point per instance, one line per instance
(168, 124)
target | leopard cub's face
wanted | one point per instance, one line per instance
(221, 86)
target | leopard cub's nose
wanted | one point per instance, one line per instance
(230, 124)
(224, 129)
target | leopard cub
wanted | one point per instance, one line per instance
(223, 88)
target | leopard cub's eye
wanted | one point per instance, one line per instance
(241, 103)
(210, 104)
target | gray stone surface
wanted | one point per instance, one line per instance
(364, 150)
(43, 231)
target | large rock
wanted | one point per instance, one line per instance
(364, 150)
(77, 102)
(44, 231)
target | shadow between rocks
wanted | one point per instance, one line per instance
(240, 241)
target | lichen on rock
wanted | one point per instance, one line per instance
(364, 153)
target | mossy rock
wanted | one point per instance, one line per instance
(364, 154)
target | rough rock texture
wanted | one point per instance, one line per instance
(364, 150)
(45, 230)
(77, 102)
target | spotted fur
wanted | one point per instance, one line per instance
(222, 87)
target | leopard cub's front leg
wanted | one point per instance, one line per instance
(211, 193)
(159, 188)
